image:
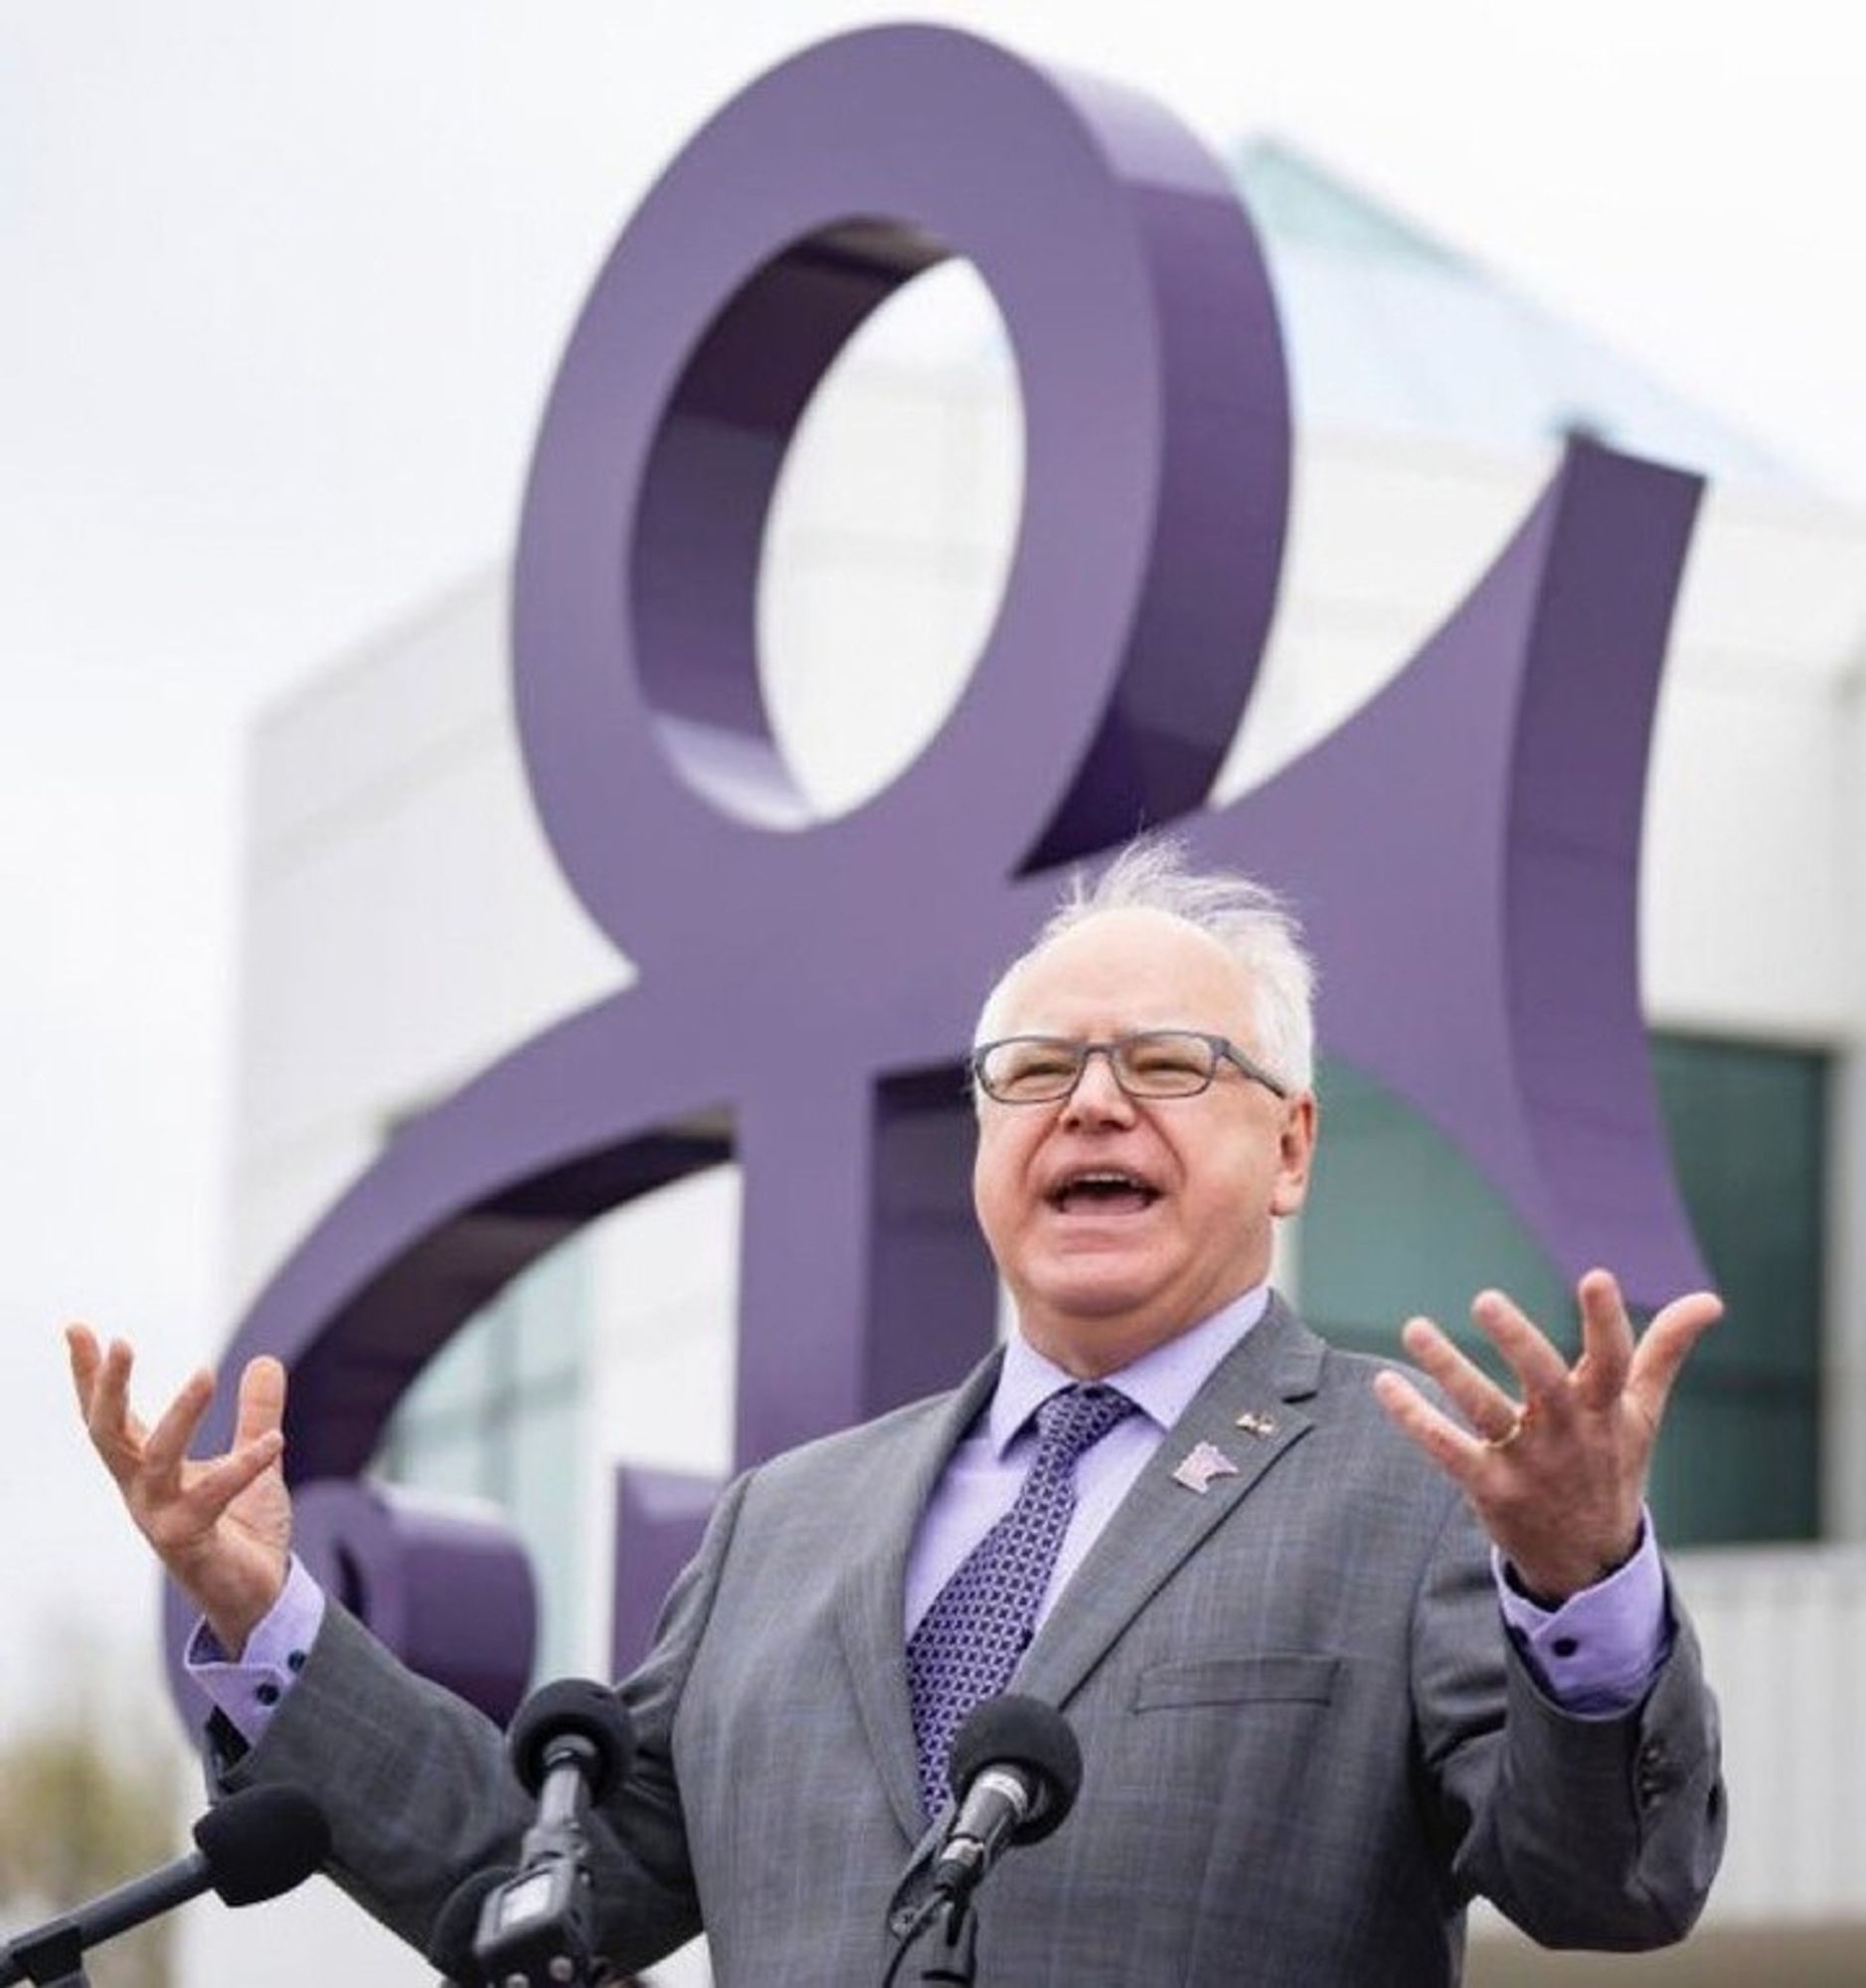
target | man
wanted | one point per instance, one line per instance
(1319, 1710)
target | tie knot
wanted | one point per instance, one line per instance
(1077, 1419)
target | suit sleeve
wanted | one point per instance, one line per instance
(1585, 1831)
(419, 1798)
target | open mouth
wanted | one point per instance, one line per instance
(1102, 1190)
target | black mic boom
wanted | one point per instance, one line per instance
(253, 1846)
(1015, 1770)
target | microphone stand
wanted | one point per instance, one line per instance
(53, 1957)
(935, 1931)
(943, 1937)
(1014, 1769)
(535, 1928)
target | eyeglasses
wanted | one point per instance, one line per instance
(1151, 1063)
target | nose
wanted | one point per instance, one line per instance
(1097, 1096)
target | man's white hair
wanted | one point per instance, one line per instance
(1249, 921)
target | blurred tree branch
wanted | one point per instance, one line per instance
(87, 1800)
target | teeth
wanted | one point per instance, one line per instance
(1107, 1177)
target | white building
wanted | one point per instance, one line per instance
(405, 925)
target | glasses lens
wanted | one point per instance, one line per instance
(1164, 1064)
(1029, 1071)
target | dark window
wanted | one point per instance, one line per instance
(1399, 1222)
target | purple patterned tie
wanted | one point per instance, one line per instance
(968, 1642)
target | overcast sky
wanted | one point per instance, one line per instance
(281, 287)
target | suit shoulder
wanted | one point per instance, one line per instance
(1345, 1400)
(1342, 1367)
(847, 1448)
(1350, 1376)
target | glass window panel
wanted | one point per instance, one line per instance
(496, 1415)
(1741, 1455)
(454, 1464)
(1398, 1222)
(1747, 1131)
(548, 1307)
(450, 1391)
(1735, 1466)
(545, 1451)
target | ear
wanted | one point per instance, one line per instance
(1296, 1150)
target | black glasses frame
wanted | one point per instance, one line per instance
(1220, 1047)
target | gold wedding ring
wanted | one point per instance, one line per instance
(1518, 1423)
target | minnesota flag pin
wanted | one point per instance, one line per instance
(1199, 1465)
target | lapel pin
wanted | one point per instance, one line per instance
(1255, 1424)
(1199, 1465)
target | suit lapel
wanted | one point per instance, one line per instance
(872, 1602)
(1163, 1520)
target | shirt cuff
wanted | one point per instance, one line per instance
(1598, 1654)
(251, 1690)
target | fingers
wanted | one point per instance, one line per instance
(167, 1445)
(219, 1483)
(1536, 1364)
(86, 1355)
(1482, 1403)
(1665, 1346)
(181, 1521)
(1606, 1341)
(109, 1392)
(261, 1400)
(1611, 1364)
(1455, 1452)
(116, 1433)
(101, 1377)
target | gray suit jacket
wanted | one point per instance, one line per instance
(1306, 1743)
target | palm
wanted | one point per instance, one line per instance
(254, 1524)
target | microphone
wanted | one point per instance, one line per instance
(567, 1732)
(1015, 1769)
(253, 1846)
(569, 1743)
(450, 1944)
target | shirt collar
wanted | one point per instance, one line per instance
(1161, 1382)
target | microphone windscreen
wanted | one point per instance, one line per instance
(261, 1841)
(573, 1708)
(1013, 1730)
(450, 1944)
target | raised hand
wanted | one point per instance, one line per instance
(1557, 1478)
(221, 1526)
